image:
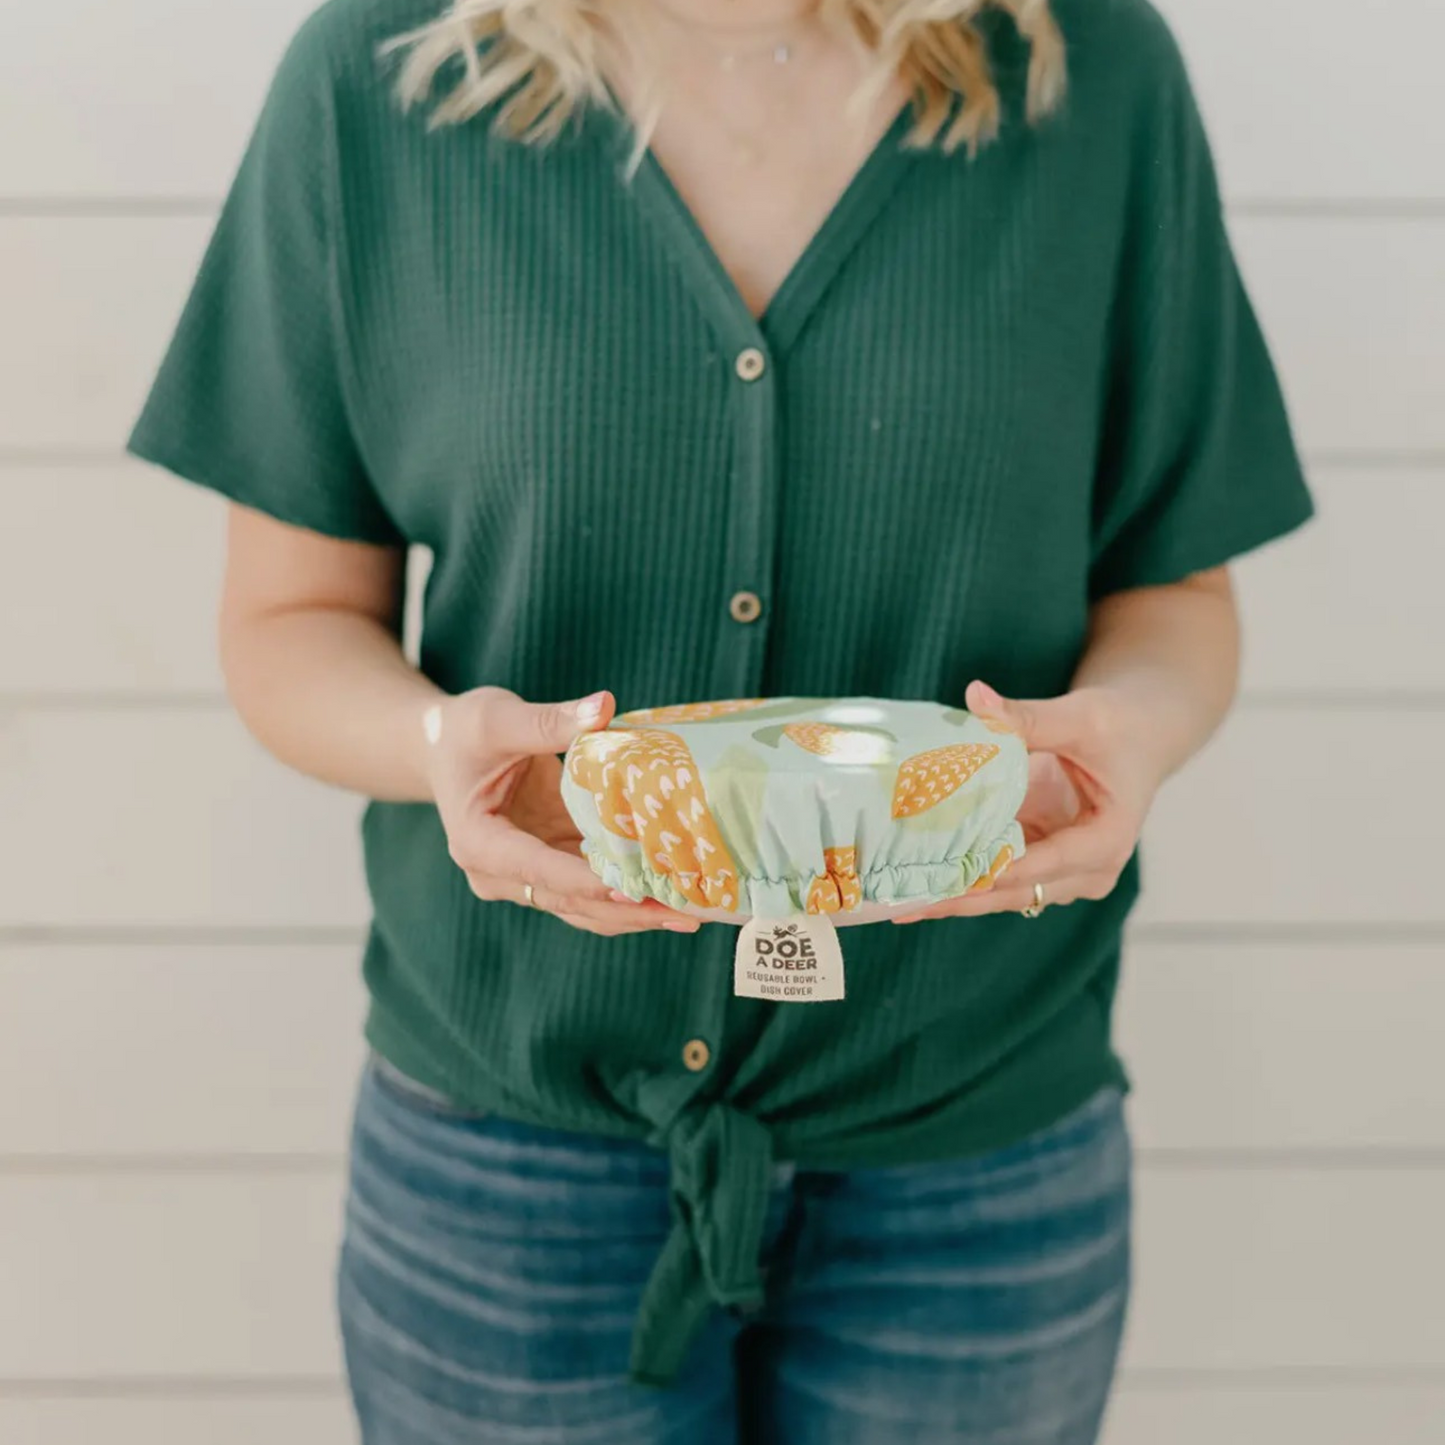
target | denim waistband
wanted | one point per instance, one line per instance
(722, 1170)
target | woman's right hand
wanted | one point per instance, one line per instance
(496, 777)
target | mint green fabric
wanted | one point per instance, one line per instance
(921, 798)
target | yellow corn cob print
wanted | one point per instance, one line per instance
(866, 746)
(685, 712)
(929, 778)
(841, 744)
(1001, 860)
(646, 788)
(839, 889)
(820, 738)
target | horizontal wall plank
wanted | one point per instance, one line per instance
(1355, 311)
(181, 1421)
(125, 603)
(1279, 134)
(165, 818)
(1300, 816)
(115, 590)
(116, 587)
(1327, 1414)
(1241, 1048)
(152, 99)
(1250, 1269)
(189, 1276)
(1192, 1415)
(89, 305)
(1232, 1049)
(171, 1276)
(177, 1077)
(1353, 603)
(111, 127)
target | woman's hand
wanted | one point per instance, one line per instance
(496, 777)
(1093, 773)
(1156, 679)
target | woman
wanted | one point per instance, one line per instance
(865, 347)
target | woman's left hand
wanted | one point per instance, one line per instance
(1092, 778)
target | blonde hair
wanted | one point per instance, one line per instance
(543, 61)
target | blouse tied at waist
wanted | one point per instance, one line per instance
(721, 1175)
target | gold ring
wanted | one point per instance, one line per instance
(1037, 906)
(528, 896)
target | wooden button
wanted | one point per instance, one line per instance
(745, 607)
(696, 1055)
(751, 363)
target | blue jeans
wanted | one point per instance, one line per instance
(491, 1271)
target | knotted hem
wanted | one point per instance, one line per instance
(722, 1163)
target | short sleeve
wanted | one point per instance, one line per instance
(251, 398)
(1198, 464)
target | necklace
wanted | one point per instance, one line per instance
(782, 53)
(780, 49)
(746, 143)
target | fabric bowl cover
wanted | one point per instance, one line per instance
(778, 807)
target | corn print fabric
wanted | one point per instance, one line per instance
(772, 807)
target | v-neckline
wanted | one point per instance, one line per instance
(801, 289)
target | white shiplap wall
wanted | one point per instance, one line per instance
(169, 1182)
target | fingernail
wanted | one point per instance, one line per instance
(988, 696)
(679, 927)
(589, 709)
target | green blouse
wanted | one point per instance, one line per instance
(991, 391)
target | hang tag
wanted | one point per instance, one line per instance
(789, 960)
